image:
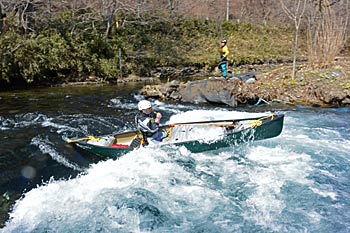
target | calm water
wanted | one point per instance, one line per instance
(297, 182)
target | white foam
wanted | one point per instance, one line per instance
(116, 102)
(244, 184)
(208, 115)
(323, 193)
(273, 167)
(46, 148)
(314, 216)
(64, 205)
(206, 134)
(23, 120)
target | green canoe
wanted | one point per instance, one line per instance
(195, 136)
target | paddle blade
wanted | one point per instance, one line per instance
(81, 139)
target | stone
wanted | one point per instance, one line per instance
(346, 101)
(210, 91)
(175, 95)
(251, 80)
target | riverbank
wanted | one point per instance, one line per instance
(327, 87)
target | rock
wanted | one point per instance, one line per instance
(251, 80)
(333, 97)
(308, 88)
(174, 83)
(175, 95)
(92, 78)
(164, 92)
(212, 91)
(152, 92)
(346, 101)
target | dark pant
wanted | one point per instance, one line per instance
(159, 136)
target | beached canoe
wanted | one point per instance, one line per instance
(195, 136)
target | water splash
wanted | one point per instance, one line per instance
(297, 182)
(139, 192)
(120, 103)
(272, 170)
(22, 120)
(46, 147)
(208, 115)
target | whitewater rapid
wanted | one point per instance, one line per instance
(296, 182)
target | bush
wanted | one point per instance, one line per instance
(55, 54)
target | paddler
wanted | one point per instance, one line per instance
(147, 122)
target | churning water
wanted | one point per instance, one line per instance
(296, 182)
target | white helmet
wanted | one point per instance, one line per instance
(144, 104)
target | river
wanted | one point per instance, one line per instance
(296, 182)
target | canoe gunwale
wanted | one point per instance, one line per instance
(271, 126)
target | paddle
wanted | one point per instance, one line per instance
(80, 139)
(222, 123)
(216, 122)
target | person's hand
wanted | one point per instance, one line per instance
(158, 117)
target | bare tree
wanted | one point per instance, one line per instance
(2, 16)
(227, 10)
(110, 7)
(24, 11)
(295, 13)
(327, 30)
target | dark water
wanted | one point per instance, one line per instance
(28, 117)
(297, 182)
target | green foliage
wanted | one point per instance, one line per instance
(34, 59)
(197, 27)
(7, 46)
(57, 53)
(108, 68)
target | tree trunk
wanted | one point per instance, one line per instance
(2, 15)
(296, 37)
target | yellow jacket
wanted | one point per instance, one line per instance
(224, 52)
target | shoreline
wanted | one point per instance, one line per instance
(328, 87)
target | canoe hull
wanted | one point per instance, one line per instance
(99, 150)
(269, 127)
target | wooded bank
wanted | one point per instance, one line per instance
(45, 43)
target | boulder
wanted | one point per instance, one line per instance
(153, 91)
(212, 91)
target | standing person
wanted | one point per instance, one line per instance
(147, 122)
(224, 52)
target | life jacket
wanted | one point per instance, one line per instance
(146, 125)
